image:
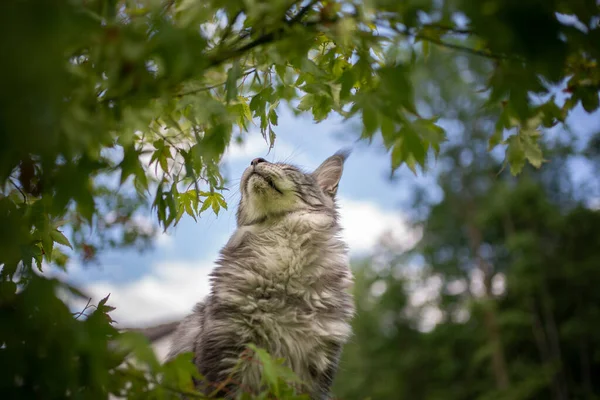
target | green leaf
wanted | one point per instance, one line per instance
(139, 347)
(179, 372)
(370, 120)
(589, 99)
(131, 164)
(425, 48)
(47, 244)
(221, 200)
(397, 155)
(189, 210)
(232, 77)
(307, 102)
(280, 69)
(495, 139)
(515, 154)
(551, 113)
(272, 137)
(179, 214)
(103, 301)
(215, 205)
(273, 116)
(412, 148)
(388, 132)
(207, 203)
(432, 135)
(268, 368)
(8, 290)
(531, 148)
(60, 238)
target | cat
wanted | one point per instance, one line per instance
(282, 282)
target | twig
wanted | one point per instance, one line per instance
(167, 7)
(303, 11)
(453, 46)
(19, 189)
(218, 59)
(79, 314)
(206, 88)
(229, 28)
(448, 28)
(469, 50)
(266, 38)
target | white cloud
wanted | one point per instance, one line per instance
(171, 289)
(365, 223)
(164, 240)
(167, 293)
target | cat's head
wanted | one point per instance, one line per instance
(274, 189)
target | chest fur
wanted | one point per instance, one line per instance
(286, 285)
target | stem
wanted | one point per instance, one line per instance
(19, 189)
(206, 88)
(303, 11)
(439, 42)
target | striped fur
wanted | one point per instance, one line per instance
(281, 282)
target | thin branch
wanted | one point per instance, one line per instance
(439, 42)
(167, 7)
(19, 189)
(246, 33)
(303, 11)
(218, 58)
(449, 28)
(229, 28)
(264, 39)
(480, 53)
(79, 314)
(207, 88)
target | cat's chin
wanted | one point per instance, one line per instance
(262, 185)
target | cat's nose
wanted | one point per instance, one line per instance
(257, 161)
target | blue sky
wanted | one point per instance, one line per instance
(164, 283)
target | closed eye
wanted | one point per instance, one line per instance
(287, 167)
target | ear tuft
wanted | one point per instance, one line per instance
(329, 173)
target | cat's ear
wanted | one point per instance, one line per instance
(329, 173)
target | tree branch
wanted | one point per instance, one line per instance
(206, 88)
(469, 50)
(439, 42)
(270, 37)
(229, 28)
(82, 312)
(448, 28)
(303, 11)
(19, 189)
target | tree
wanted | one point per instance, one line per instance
(108, 103)
(506, 260)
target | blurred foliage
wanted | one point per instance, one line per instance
(499, 298)
(505, 305)
(108, 105)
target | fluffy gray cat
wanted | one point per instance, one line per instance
(281, 282)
